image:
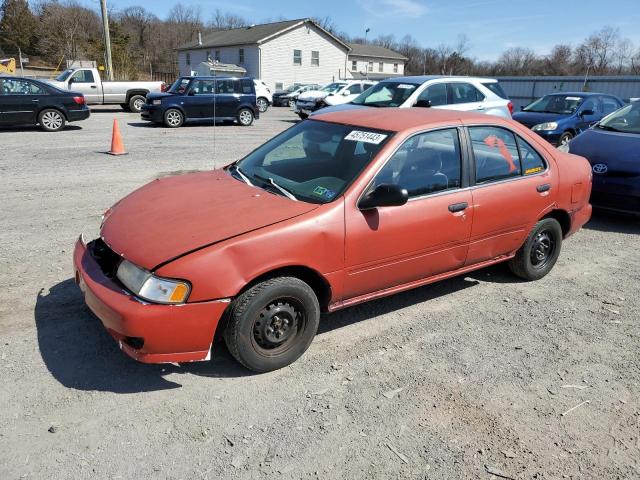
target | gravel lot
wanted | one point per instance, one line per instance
(473, 375)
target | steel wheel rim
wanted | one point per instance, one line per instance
(52, 120)
(278, 325)
(245, 118)
(173, 118)
(542, 249)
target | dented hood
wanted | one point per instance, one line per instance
(172, 216)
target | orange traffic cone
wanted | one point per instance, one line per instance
(117, 148)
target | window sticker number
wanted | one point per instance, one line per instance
(366, 137)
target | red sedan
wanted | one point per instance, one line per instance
(337, 210)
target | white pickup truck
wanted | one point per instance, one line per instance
(129, 95)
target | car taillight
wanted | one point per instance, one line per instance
(510, 107)
(79, 100)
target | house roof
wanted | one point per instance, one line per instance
(251, 35)
(368, 50)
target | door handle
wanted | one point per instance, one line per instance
(458, 207)
(480, 108)
(93, 86)
(543, 188)
(35, 100)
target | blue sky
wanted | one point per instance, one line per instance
(490, 25)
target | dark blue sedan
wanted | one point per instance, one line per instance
(613, 149)
(561, 116)
(203, 99)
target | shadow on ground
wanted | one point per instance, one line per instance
(80, 354)
(36, 128)
(612, 222)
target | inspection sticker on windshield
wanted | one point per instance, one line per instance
(366, 137)
(573, 98)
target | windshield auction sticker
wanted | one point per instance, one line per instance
(366, 137)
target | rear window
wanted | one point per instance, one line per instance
(496, 88)
(246, 86)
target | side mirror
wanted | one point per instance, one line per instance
(521, 108)
(71, 80)
(385, 195)
(586, 113)
(423, 104)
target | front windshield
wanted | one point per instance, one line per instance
(626, 120)
(332, 87)
(314, 161)
(386, 94)
(64, 75)
(179, 86)
(566, 104)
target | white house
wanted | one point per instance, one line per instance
(287, 52)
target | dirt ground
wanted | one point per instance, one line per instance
(475, 377)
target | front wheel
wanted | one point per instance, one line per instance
(263, 104)
(272, 324)
(51, 120)
(245, 117)
(564, 139)
(540, 251)
(136, 102)
(173, 118)
(292, 103)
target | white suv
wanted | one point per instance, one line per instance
(335, 93)
(483, 95)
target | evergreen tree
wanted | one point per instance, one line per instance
(17, 26)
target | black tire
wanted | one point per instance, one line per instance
(540, 251)
(173, 118)
(245, 117)
(136, 102)
(272, 324)
(565, 138)
(262, 104)
(303, 116)
(51, 120)
(292, 103)
(125, 107)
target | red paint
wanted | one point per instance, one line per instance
(220, 234)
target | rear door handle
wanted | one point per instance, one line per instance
(458, 207)
(543, 188)
(93, 86)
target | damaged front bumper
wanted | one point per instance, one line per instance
(150, 333)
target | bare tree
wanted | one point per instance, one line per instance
(226, 21)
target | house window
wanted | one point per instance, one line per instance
(279, 86)
(217, 55)
(381, 67)
(370, 69)
(315, 58)
(297, 57)
(241, 55)
(354, 65)
(188, 58)
(395, 68)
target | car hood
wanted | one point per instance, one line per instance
(620, 152)
(534, 118)
(339, 99)
(160, 96)
(173, 216)
(312, 95)
(338, 108)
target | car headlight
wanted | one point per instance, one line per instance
(547, 126)
(157, 102)
(149, 287)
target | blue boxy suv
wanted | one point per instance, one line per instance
(203, 98)
(561, 116)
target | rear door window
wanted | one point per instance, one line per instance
(464, 93)
(226, 86)
(496, 88)
(495, 152)
(531, 160)
(246, 86)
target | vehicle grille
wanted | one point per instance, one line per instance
(107, 259)
(615, 201)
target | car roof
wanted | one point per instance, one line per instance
(215, 77)
(420, 79)
(579, 94)
(400, 119)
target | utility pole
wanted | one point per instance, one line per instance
(20, 58)
(107, 39)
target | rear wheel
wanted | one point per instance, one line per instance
(292, 103)
(136, 102)
(173, 118)
(272, 324)
(245, 117)
(540, 251)
(51, 120)
(263, 104)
